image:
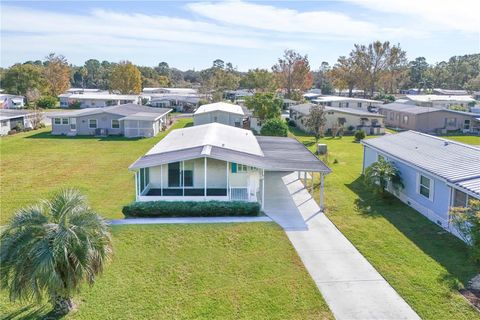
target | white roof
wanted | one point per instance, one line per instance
(346, 99)
(103, 96)
(81, 89)
(439, 97)
(212, 134)
(220, 106)
(453, 161)
(171, 90)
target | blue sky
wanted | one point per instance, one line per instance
(249, 34)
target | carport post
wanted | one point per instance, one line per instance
(263, 188)
(321, 191)
(205, 179)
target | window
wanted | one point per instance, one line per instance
(3, 123)
(242, 168)
(425, 187)
(92, 123)
(65, 121)
(459, 198)
(215, 119)
(405, 119)
(450, 122)
(466, 124)
(392, 115)
(57, 121)
(346, 104)
(359, 104)
(115, 124)
(236, 167)
(237, 124)
(340, 104)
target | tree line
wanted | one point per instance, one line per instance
(376, 67)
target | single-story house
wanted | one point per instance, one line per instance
(287, 103)
(129, 120)
(449, 92)
(371, 123)
(219, 162)
(82, 90)
(11, 118)
(180, 91)
(221, 112)
(179, 102)
(234, 95)
(476, 95)
(97, 99)
(437, 173)
(346, 93)
(347, 102)
(433, 120)
(439, 101)
(11, 101)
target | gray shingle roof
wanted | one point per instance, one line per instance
(455, 162)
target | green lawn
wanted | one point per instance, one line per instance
(35, 163)
(236, 271)
(422, 262)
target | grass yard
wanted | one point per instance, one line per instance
(35, 163)
(423, 263)
(239, 271)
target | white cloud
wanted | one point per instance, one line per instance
(268, 17)
(450, 15)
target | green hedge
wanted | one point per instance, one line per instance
(191, 209)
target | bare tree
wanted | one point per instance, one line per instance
(36, 117)
(316, 121)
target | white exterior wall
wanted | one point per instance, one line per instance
(4, 127)
(226, 118)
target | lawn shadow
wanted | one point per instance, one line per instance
(440, 245)
(48, 135)
(33, 312)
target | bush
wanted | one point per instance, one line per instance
(274, 127)
(359, 135)
(191, 209)
(467, 222)
(351, 128)
(292, 123)
(47, 102)
(75, 105)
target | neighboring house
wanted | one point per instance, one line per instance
(439, 101)
(476, 95)
(10, 101)
(287, 103)
(129, 120)
(10, 119)
(97, 99)
(371, 123)
(437, 173)
(429, 120)
(221, 112)
(82, 90)
(179, 91)
(411, 91)
(219, 162)
(448, 92)
(347, 102)
(234, 95)
(179, 102)
(346, 93)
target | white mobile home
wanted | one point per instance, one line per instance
(219, 162)
(97, 99)
(221, 112)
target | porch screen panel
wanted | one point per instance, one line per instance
(174, 174)
(147, 176)
(188, 173)
(142, 179)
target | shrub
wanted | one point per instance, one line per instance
(47, 102)
(75, 105)
(13, 131)
(191, 209)
(351, 128)
(274, 127)
(467, 222)
(359, 135)
(292, 123)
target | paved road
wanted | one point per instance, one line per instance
(350, 285)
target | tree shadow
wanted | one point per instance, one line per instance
(33, 312)
(48, 135)
(440, 245)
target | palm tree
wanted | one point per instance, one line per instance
(50, 248)
(381, 174)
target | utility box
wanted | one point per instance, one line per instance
(321, 148)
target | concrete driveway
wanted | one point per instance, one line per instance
(350, 285)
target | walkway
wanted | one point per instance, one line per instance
(190, 220)
(352, 288)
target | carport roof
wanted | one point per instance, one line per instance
(277, 154)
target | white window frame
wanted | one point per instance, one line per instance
(111, 124)
(96, 124)
(63, 121)
(242, 167)
(59, 121)
(431, 187)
